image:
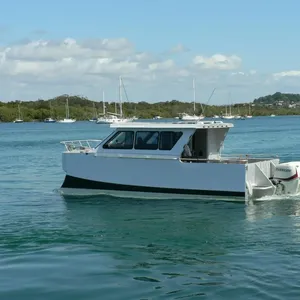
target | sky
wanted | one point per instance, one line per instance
(241, 49)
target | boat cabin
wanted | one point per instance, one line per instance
(197, 141)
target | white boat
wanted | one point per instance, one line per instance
(19, 119)
(50, 120)
(94, 119)
(228, 116)
(67, 118)
(172, 160)
(111, 118)
(186, 117)
(249, 116)
(194, 117)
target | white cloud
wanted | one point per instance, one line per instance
(178, 49)
(292, 73)
(46, 68)
(218, 61)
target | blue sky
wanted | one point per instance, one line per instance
(263, 35)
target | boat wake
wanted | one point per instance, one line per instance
(295, 197)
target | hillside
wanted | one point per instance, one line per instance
(279, 100)
(81, 108)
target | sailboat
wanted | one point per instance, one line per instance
(104, 119)
(187, 117)
(50, 120)
(19, 119)
(67, 118)
(249, 116)
(115, 117)
(228, 116)
(94, 119)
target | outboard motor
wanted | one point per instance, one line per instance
(286, 178)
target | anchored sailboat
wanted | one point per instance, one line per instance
(67, 118)
(114, 117)
(19, 119)
(50, 120)
(194, 117)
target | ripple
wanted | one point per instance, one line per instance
(112, 248)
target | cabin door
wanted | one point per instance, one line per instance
(200, 143)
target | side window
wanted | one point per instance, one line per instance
(147, 140)
(121, 140)
(168, 139)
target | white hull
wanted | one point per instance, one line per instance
(66, 121)
(112, 120)
(228, 117)
(192, 118)
(175, 177)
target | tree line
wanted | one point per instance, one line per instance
(82, 108)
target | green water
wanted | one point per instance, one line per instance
(114, 248)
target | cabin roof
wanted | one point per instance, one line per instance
(173, 125)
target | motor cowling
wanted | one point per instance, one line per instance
(287, 171)
(286, 178)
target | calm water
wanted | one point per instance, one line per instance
(110, 248)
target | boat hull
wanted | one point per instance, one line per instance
(83, 187)
(91, 174)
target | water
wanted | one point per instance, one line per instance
(112, 248)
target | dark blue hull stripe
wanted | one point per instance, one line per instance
(79, 183)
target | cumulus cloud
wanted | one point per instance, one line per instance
(178, 49)
(45, 68)
(218, 61)
(291, 73)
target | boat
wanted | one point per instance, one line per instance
(194, 117)
(111, 118)
(249, 116)
(172, 160)
(94, 119)
(19, 119)
(228, 116)
(67, 118)
(50, 120)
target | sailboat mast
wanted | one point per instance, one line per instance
(120, 96)
(103, 100)
(50, 109)
(194, 93)
(19, 110)
(67, 108)
(229, 103)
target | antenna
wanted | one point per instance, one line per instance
(194, 92)
(120, 96)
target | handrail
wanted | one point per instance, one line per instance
(251, 155)
(78, 145)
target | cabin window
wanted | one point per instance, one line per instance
(168, 139)
(146, 140)
(121, 140)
